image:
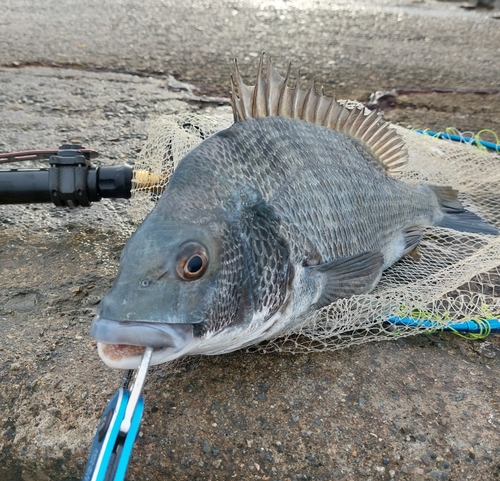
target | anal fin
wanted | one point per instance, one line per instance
(412, 239)
(347, 276)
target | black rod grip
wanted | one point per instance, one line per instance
(24, 186)
(31, 186)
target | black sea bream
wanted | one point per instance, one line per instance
(290, 209)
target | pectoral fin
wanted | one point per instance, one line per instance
(347, 276)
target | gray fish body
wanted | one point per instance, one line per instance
(290, 215)
(329, 192)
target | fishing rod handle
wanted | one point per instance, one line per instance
(65, 186)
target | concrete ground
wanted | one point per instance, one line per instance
(425, 407)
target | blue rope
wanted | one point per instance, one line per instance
(459, 138)
(470, 327)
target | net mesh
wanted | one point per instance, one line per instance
(457, 275)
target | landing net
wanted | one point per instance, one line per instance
(457, 277)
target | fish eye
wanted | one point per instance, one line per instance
(145, 283)
(192, 261)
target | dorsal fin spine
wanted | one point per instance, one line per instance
(381, 140)
(283, 91)
(269, 89)
(372, 129)
(280, 82)
(259, 105)
(351, 121)
(358, 122)
(328, 112)
(394, 160)
(367, 120)
(335, 111)
(393, 144)
(374, 136)
(298, 101)
(236, 105)
(322, 108)
(310, 102)
(343, 116)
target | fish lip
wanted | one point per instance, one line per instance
(142, 333)
(160, 356)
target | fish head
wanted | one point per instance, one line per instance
(163, 294)
(180, 282)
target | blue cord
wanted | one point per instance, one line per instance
(471, 326)
(459, 138)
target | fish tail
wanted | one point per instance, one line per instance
(455, 216)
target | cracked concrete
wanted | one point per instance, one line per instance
(420, 408)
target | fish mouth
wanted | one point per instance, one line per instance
(121, 344)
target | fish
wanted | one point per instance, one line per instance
(292, 208)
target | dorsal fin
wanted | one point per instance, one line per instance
(271, 96)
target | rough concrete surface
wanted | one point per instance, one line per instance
(425, 407)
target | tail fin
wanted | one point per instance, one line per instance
(456, 217)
